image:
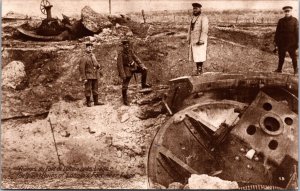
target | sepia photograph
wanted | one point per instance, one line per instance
(149, 94)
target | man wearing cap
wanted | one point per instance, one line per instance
(286, 38)
(129, 64)
(197, 37)
(89, 71)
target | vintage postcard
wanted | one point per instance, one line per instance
(149, 94)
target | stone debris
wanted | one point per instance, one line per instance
(249, 166)
(119, 154)
(124, 30)
(13, 74)
(158, 186)
(65, 134)
(208, 182)
(94, 21)
(250, 154)
(186, 187)
(106, 35)
(175, 185)
(125, 117)
(91, 130)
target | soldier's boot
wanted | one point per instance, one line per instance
(125, 99)
(278, 70)
(280, 65)
(88, 101)
(295, 66)
(144, 79)
(145, 85)
(96, 101)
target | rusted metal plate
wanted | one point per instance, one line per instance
(183, 87)
(33, 35)
(270, 127)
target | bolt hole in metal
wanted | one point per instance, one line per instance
(271, 124)
(267, 106)
(288, 121)
(273, 144)
(251, 130)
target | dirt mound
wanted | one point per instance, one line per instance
(255, 36)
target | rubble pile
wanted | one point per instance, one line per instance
(208, 182)
(93, 21)
(13, 74)
(202, 181)
(93, 25)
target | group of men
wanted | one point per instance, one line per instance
(286, 40)
(127, 63)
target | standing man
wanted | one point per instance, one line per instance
(197, 37)
(89, 71)
(129, 64)
(286, 38)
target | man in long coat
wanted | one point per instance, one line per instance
(89, 71)
(197, 37)
(286, 38)
(129, 64)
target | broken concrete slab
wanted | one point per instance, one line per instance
(94, 21)
(208, 182)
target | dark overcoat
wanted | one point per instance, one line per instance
(286, 35)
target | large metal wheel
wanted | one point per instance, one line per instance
(43, 5)
(213, 136)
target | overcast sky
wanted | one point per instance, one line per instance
(71, 7)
